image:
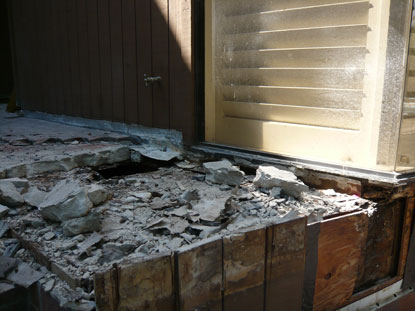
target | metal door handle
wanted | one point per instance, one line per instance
(150, 80)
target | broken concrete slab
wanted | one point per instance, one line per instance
(135, 156)
(80, 225)
(190, 195)
(9, 195)
(19, 183)
(7, 264)
(155, 152)
(269, 177)
(223, 172)
(97, 194)
(12, 248)
(66, 201)
(35, 160)
(89, 242)
(34, 197)
(24, 275)
(33, 221)
(210, 210)
(4, 210)
(4, 228)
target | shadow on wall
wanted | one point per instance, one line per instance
(6, 75)
(88, 59)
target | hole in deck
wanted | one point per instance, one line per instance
(131, 168)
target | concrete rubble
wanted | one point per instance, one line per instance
(84, 214)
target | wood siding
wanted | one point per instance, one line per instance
(88, 59)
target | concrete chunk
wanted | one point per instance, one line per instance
(80, 225)
(67, 200)
(9, 195)
(269, 177)
(24, 275)
(34, 197)
(97, 194)
(4, 210)
(223, 172)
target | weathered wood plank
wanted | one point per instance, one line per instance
(199, 273)
(406, 234)
(244, 268)
(409, 275)
(311, 258)
(339, 249)
(106, 290)
(147, 284)
(381, 250)
(285, 265)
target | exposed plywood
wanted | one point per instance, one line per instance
(285, 265)
(199, 273)
(146, 285)
(244, 267)
(340, 245)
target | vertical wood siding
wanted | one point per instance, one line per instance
(87, 58)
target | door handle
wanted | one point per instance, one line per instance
(150, 80)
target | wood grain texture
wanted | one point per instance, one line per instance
(406, 234)
(311, 258)
(106, 290)
(339, 249)
(146, 284)
(382, 245)
(199, 273)
(285, 265)
(409, 274)
(244, 267)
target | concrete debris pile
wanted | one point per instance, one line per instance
(86, 223)
(18, 269)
